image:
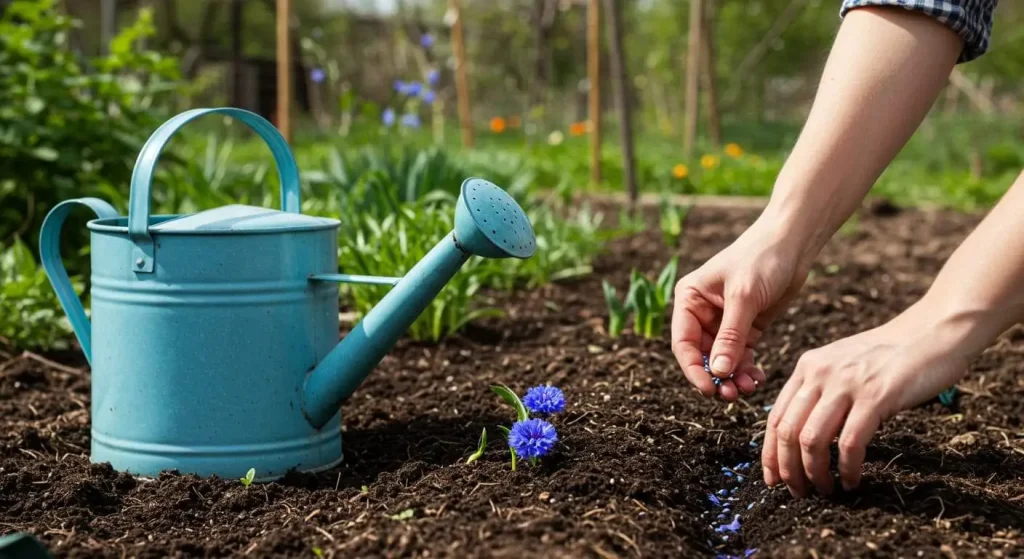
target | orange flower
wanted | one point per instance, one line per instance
(497, 125)
(733, 150)
(680, 171)
(514, 121)
(577, 128)
(709, 162)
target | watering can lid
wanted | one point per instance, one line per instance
(238, 217)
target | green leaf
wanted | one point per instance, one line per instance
(34, 105)
(511, 399)
(249, 477)
(404, 515)
(480, 448)
(45, 153)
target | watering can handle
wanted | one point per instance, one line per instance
(142, 175)
(49, 254)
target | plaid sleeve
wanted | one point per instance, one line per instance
(971, 19)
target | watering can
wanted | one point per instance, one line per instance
(214, 335)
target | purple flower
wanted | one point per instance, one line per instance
(532, 438)
(411, 120)
(734, 526)
(317, 75)
(413, 89)
(388, 117)
(544, 399)
(400, 86)
(426, 40)
(433, 77)
(427, 96)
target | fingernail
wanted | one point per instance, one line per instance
(721, 364)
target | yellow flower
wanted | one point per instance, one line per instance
(577, 129)
(709, 161)
(497, 125)
(680, 171)
(733, 150)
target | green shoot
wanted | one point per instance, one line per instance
(672, 219)
(511, 399)
(249, 476)
(617, 311)
(507, 431)
(404, 515)
(480, 448)
(364, 489)
(318, 552)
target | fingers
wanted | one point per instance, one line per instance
(770, 451)
(687, 338)
(816, 437)
(731, 340)
(861, 426)
(791, 467)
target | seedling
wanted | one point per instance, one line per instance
(404, 515)
(651, 300)
(249, 476)
(672, 219)
(480, 448)
(318, 552)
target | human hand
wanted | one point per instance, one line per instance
(846, 390)
(722, 308)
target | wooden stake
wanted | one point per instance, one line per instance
(620, 81)
(708, 72)
(461, 82)
(594, 79)
(692, 76)
(284, 69)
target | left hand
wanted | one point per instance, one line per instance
(847, 389)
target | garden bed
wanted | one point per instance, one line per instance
(639, 449)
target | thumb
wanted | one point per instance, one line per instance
(731, 339)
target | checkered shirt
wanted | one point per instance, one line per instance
(971, 19)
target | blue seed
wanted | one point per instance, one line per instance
(750, 506)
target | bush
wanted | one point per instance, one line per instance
(30, 314)
(67, 127)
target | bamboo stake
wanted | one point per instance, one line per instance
(708, 71)
(692, 76)
(620, 80)
(461, 82)
(284, 69)
(594, 79)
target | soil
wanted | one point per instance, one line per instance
(639, 450)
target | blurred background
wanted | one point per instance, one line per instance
(710, 94)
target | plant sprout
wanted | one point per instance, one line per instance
(646, 299)
(529, 438)
(249, 476)
(672, 219)
(480, 448)
(404, 515)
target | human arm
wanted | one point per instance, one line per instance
(884, 72)
(848, 388)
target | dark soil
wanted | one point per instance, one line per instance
(639, 452)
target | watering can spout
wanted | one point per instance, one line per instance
(489, 223)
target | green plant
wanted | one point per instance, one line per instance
(30, 314)
(249, 477)
(404, 515)
(672, 219)
(481, 447)
(646, 300)
(67, 126)
(510, 398)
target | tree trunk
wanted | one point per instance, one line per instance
(620, 81)
(461, 81)
(236, 52)
(594, 84)
(710, 80)
(284, 69)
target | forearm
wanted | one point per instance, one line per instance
(884, 72)
(980, 291)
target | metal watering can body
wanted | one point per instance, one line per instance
(214, 336)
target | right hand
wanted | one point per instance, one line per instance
(722, 308)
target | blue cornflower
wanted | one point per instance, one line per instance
(427, 96)
(317, 75)
(544, 399)
(411, 120)
(400, 86)
(388, 117)
(433, 77)
(426, 40)
(413, 89)
(733, 526)
(532, 438)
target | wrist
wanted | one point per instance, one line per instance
(963, 328)
(796, 228)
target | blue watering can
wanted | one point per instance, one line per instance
(214, 337)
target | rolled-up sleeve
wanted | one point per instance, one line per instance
(971, 19)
